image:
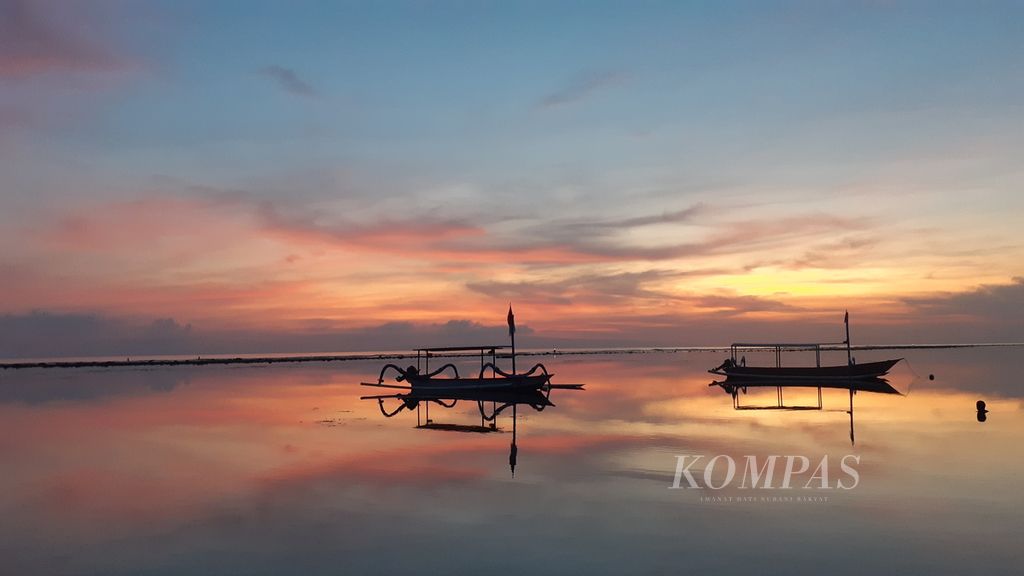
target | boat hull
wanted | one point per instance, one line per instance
(506, 396)
(825, 373)
(515, 382)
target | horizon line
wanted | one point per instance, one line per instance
(287, 357)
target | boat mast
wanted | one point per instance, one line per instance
(512, 334)
(849, 354)
(849, 362)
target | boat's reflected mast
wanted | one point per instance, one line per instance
(852, 443)
(849, 362)
(513, 450)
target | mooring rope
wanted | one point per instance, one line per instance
(917, 377)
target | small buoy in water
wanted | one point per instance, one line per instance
(981, 406)
(982, 412)
(931, 376)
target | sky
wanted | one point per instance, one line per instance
(189, 177)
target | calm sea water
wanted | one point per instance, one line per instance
(283, 469)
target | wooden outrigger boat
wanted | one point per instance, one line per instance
(817, 373)
(447, 378)
(735, 366)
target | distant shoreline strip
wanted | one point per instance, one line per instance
(200, 361)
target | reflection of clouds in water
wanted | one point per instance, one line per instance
(230, 474)
(38, 386)
(568, 515)
(983, 370)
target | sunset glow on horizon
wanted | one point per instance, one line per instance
(188, 177)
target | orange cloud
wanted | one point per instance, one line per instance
(229, 261)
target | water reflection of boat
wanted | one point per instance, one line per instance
(490, 403)
(736, 386)
(499, 400)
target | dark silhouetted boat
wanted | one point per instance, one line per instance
(815, 373)
(447, 378)
(735, 368)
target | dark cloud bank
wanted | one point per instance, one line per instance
(988, 314)
(44, 335)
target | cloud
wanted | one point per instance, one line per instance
(604, 226)
(42, 334)
(583, 87)
(990, 300)
(594, 288)
(430, 236)
(836, 255)
(288, 80)
(993, 312)
(43, 386)
(309, 225)
(730, 304)
(38, 38)
(594, 241)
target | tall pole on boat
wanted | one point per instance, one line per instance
(849, 362)
(849, 353)
(512, 335)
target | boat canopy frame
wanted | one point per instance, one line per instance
(423, 355)
(779, 348)
(735, 389)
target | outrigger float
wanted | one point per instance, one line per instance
(490, 402)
